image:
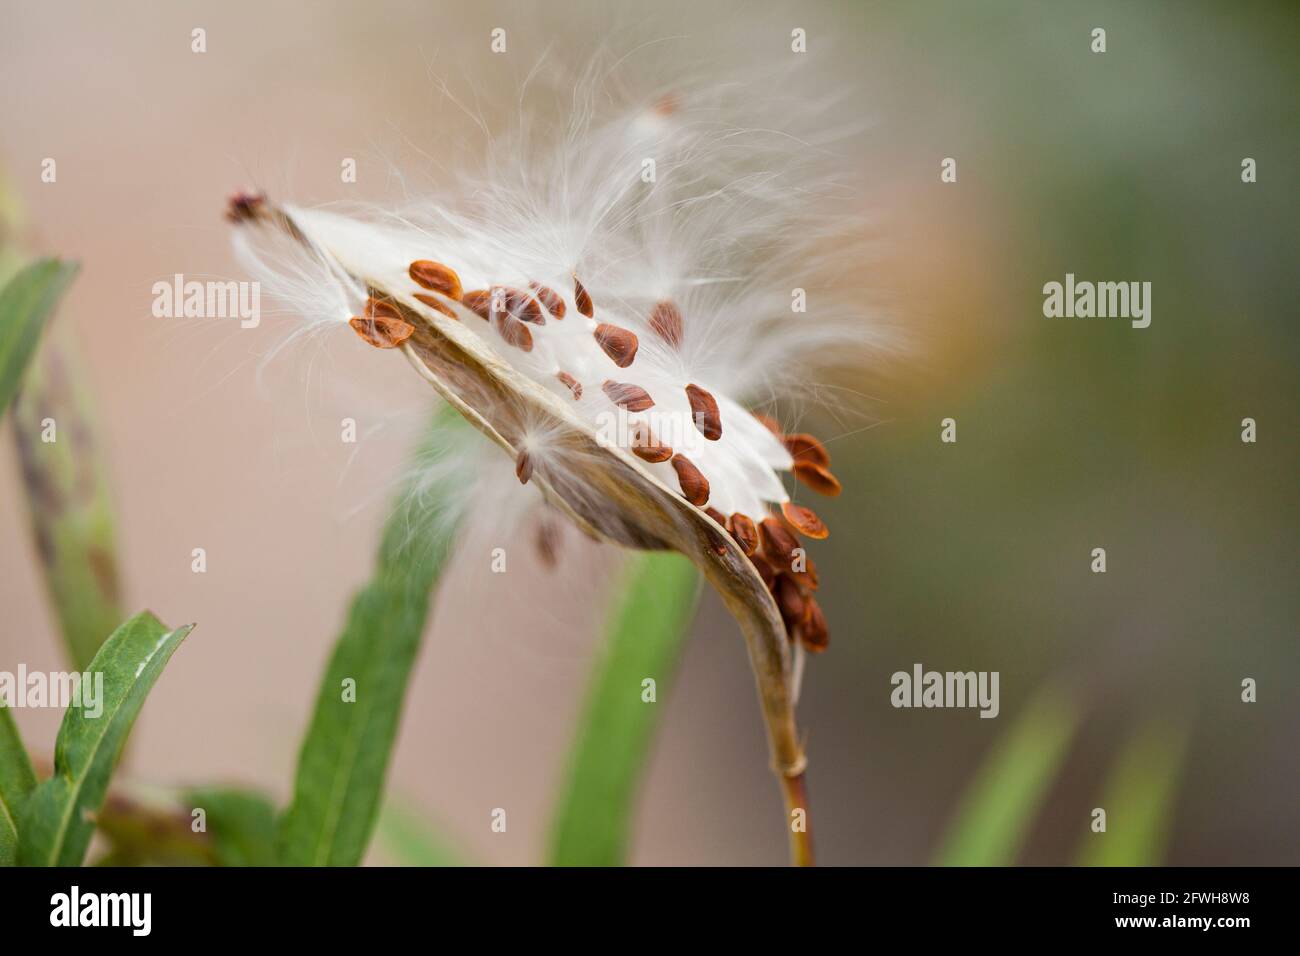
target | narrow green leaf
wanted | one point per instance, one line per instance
(409, 841)
(344, 757)
(240, 825)
(1138, 799)
(57, 823)
(617, 725)
(26, 301)
(1000, 805)
(67, 497)
(16, 782)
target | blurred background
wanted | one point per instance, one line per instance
(1072, 434)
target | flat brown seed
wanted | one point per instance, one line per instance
(436, 276)
(746, 534)
(571, 383)
(789, 600)
(377, 307)
(818, 478)
(814, 635)
(582, 299)
(807, 578)
(618, 343)
(550, 298)
(804, 520)
(717, 516)
(436, 305)
(704, 412)
(382, 332)
(632, 397)
(779, 544)
(479, 301)
(666, 320)
(519, 305)
(695, 487)
(523, 466)
(803, 447)
(646, 447)
(513, 331)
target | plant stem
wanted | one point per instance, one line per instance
(796, 798)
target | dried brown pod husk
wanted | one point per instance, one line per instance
(620, 500)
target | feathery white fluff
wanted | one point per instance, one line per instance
(746, 204)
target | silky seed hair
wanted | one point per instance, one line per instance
(659, 308)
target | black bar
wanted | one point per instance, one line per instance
(330, 907)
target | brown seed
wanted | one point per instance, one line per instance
(632, 397)
(523, 466)
(380, 307)
(807, 578)
(382, 332)
(517, 304)
(764, 570)
(704, 412)
(743, 530)
(717, 516)
(478, 301)
(803, 447)
(582, 299)
(550, 298)
(789, 600)
(768, 422)
(818, 478)
(436, 276)
(245, 206)
(695, 487)
(437, 306)
(646, 447)
(571, 383)
(513, 331)
(666, 320)
(618, 343)
(814, 635)
(779, 544)
(804, 520)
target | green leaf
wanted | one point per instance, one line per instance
(616, 728)
(240, 825)
(16, 782)
(344, 757)
(26, 301)
(1138, 799)
(67, 497)
(57, 823)
(410, 841)
(1000, 805)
